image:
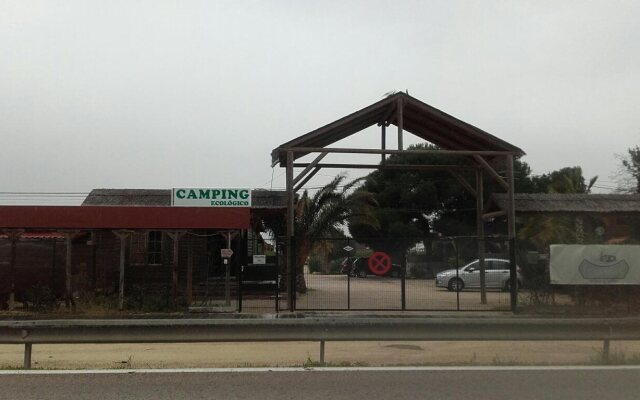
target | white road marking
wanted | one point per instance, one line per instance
(319, 369)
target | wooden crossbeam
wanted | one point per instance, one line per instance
(307, 179)
(308, 168)
(463, 182)
(390, 166)
(496, 176)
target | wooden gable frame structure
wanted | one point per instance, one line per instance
(451, 135)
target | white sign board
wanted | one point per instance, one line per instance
(226, 253)
(210, 197)
(594, 264)
(260, 259)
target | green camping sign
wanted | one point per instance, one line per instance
(211, 197)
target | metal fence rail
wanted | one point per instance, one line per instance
(344, 274)
(315, 329)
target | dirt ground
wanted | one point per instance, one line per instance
(375, 292)
(301, 353)
(339, 292)
(330, 292)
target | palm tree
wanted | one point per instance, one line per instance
(324, 214)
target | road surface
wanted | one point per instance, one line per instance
(522, 383)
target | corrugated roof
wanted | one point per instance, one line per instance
(567, 203)
(162, 198)
(419, 118)
(128, 197)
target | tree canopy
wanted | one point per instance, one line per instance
(414, 205)
(631, 170)
(418, 204)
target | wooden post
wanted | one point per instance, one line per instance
(53, 265)
(511, 227)
(480, 231)
(174, 269)
(190, 274)
(290, 230)
(122, 235)
(94, 261)
(400, 122)
(227, 274)
(69, 301)
(175, 236)
(384, 142)
(13, 237)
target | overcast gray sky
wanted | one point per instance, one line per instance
(158, 94)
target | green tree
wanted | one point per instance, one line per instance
(564, 180)
(547, 229)
(630, 171)
(323, 215)
(415, 205)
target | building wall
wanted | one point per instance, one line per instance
(96, 264)
(38, 264)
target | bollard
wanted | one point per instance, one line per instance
(605, 351)
(27, 356)
(322, 352)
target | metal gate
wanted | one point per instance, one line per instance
(441, 274)
(259, 278)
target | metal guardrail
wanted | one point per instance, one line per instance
(315, 329)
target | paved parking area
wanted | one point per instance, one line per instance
(384, 293)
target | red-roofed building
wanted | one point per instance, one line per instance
(75, 250)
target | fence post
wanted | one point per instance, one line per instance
(403, 288)
(293, 274)
(239, 279)
(27, 356)
(291, 267)
(277, 277)
(455, 247)
(322, 352)
(513, 272)
(348, 290)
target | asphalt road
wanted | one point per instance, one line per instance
(469, 383)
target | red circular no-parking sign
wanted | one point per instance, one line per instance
(379, 263)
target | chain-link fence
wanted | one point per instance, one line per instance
(435, 274)
(596, 297)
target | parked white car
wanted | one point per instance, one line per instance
(496, 276)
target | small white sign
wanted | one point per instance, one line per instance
(594, 264)
(226, 253)
(347, 248)
(260, 259)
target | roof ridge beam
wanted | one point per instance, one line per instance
(388, 116)
(307, 150)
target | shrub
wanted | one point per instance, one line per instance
(41, 298)
(315, 265)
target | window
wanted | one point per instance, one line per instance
(154, 247)
(146, 248)
(473, 265)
